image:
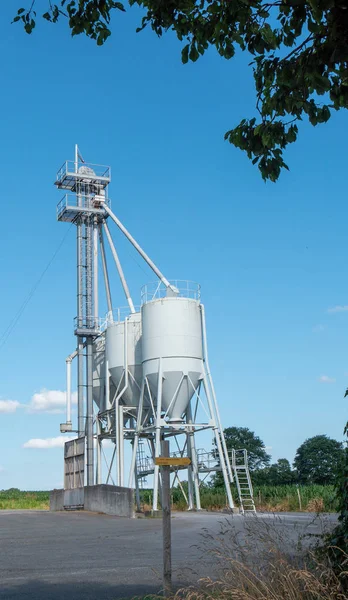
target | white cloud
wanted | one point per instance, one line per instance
(1, 469)
(44, 443)
(337, 309)
(8, 406)
(108, 444)
(326, 379)
(318, 328)
(50, 401)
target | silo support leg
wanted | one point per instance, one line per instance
(191, 446)
(219, 447)
(137, 492)
(190, 477)
(136, 435)
(157, 437)
(90, 441)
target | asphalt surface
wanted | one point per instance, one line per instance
(85, 556)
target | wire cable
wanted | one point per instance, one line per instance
(7, 332)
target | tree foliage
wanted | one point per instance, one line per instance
(242, 438)
(318, 460)
(278, 473)
(238, 438)
(299, 51)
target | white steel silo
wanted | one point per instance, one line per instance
(123, 355)
(172, 332)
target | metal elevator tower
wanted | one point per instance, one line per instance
(88, 187)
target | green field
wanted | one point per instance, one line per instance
(16, 499)
(314, 498)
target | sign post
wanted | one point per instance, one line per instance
(166, 522)
(165, 462)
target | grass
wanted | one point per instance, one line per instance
(314, 498)
(16, 499)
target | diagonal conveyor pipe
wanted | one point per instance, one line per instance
(119, 268)
(139, 249)
(105, 271)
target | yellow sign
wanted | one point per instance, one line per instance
(164, 461)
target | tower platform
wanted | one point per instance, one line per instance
(68, 208)
(88, 174)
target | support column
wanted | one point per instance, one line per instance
(89, 416)
(95, 271)
(80, 357)
(132, 470)
(219, 447)
(193, 455)
(121, 445)
(157, 437)
(80, 387)
(99, 458)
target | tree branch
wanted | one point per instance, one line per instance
(308, 39)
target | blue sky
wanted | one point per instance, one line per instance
(271, 259)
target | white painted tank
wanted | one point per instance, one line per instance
(114, 349)
(172, 331)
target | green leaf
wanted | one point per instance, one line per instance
(185, 54)
(193, 54)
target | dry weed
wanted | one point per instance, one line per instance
(315, 505)
(263, 561)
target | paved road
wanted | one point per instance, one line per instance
(85, 556)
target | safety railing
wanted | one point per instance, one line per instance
(180, 288)
(206, 461)
(90, 323)
(87, 171)
(74, 204)
(239, 458)
(117, 315)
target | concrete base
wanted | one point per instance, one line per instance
(110, 499)
(57, 500)
(107, 499)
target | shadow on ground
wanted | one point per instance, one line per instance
(39, 590)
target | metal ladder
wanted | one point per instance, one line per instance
(243, 481)
(140, 462)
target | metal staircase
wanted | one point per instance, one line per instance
(141, 464)
(243, 481)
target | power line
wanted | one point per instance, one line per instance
(7, 332)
